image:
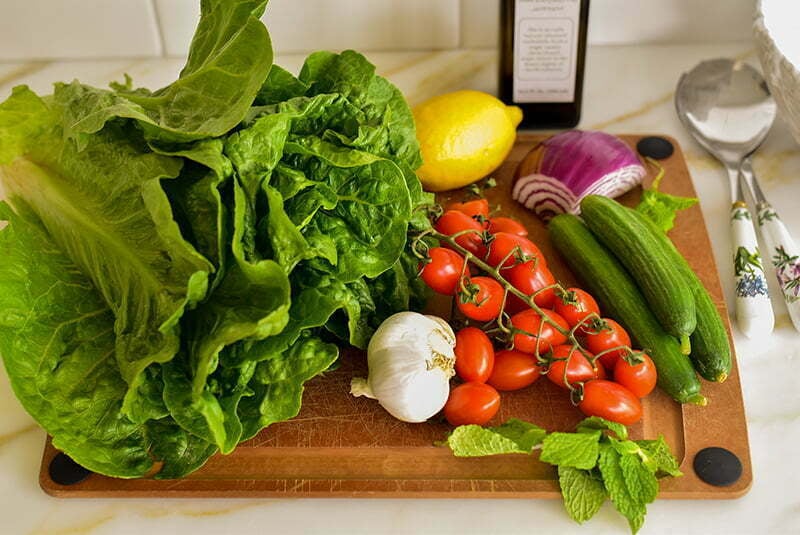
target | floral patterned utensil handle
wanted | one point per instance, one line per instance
(754, 314)
(785, 257)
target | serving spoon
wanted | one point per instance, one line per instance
(727, 107)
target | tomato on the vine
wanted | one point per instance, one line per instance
(453, 222)
(529, 278)
(611, 401)
(474, 208)
(600, 371)
(509, 246)
(474, 355)
(444, 270)
(482, 300)
(608, 335)
(570, 367)
(639, 378)
(513, 370)
(575, 305)
(538, 334)
(471, 403)
(506, 224)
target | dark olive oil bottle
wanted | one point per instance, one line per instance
(542, 57)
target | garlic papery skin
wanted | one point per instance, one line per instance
(411, 361)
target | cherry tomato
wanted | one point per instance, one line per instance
(578, 368)
(529, 278)
(575, 305)
(610, 336)
(474, 355)
(485, 299)
(453, 222)
(600, 371)
(530, 322)
(471, 403)
(638, 378)
(474, 208)
(611, 401)
(444, 270)
(513, 370)
(502, 246)
(506, 224)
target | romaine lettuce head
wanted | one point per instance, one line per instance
(176, 262)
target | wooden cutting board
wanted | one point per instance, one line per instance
(341, 446)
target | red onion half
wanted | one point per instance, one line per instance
(568, 166)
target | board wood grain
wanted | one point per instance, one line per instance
(341, 446)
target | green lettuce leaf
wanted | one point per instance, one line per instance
(385, 125)
(125, 238)
(213, 414)
(369, 223)
(348, 201)
(22, 116)
(251, 302)
(229, 60)
(278, 383)
(280, 85)
(57, 343)
(181, 452)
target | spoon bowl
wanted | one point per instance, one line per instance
(727, 107)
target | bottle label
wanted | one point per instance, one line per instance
(545, 50)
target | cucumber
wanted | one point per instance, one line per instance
(621, 299)
(629, 239)
(711, 350)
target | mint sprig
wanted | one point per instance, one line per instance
(595, 463)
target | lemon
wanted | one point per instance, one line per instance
(464, 136)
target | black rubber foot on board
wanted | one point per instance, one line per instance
(655, 147)
(64, 471)
(717, 466)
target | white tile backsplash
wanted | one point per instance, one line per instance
(304, 25)
(31, 29)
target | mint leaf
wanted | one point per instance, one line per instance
(583, 493)
(641, 482)
(577, 450)
(629, 505)
(594, 423)
(475, 441)
(524, 434)
(625, 447)
(658, 457)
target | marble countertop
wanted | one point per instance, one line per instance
(629, 89)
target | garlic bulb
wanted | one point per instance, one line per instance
(410, 359)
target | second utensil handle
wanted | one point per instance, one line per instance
(785, 256)
(754, 314)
